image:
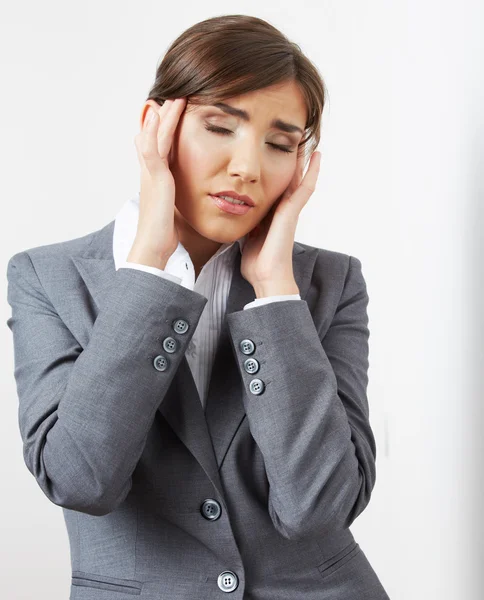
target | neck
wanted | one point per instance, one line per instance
(199, 248)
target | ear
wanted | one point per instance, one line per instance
(145, 108)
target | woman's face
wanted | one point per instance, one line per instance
(249, 160)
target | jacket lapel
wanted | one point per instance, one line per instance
(181, 405)
(206, 434)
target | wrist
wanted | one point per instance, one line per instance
(276, 289)
(149, 259)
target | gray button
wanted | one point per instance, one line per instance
(180, 326)
(161, 363)
(170, 345)
(228, 581)
(247, 346)
(256, 386)
(211, 509)
(251, 365)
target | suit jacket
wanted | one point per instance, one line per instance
(252, 497)
(213, 281)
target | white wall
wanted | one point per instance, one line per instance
(400, 187)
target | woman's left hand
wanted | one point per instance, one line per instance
(266, 261)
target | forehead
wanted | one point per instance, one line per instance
(283, 103)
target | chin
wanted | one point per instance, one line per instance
(217, 229)
(223, 237)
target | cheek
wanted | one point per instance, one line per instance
(281, 180)
(193, 160)
(197, 151)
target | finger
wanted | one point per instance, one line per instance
(148, 142)
(308, 184)
(147, 139)
(156, 123)
(296, 178)
(170, 123)
(155, 117)
(164, 109)
(153, 109)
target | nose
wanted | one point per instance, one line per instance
(245, 162)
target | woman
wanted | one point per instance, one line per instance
(192, 381)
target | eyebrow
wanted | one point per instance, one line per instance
(243, 114)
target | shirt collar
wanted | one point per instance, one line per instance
(126, 223)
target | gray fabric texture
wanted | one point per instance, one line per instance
(130, 455)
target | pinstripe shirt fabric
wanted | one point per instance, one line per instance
(213, 282)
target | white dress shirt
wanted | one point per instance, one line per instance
(213, 282)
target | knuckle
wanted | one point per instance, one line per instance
(310, 188)
(147, 151)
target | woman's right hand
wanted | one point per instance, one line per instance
(156, 236)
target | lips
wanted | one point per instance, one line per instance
(243, 198)
(229, 207)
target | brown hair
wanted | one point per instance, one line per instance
(229, 55)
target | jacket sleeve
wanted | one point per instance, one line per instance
(85, 413)
(173, 277)
(311, 421)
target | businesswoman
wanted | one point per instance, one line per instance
(192, 381)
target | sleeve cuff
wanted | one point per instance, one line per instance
(153, 270)
(269, 299)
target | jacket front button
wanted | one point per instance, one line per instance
(170, 345)
(228, 581)
(256, 386)
(161, 363)
(211, 509)
(251, 365)
(180, 326)
(247, 346)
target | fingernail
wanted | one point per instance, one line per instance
(151, 115)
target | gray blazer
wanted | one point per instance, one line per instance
(161, 500)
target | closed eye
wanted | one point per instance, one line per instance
(224, 131)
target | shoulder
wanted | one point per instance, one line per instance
(62, 251)
(333, 262)
(335, 279)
